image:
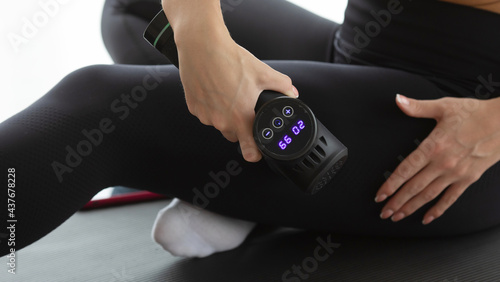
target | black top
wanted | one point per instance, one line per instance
(452, 45)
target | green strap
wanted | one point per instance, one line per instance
(161, 33)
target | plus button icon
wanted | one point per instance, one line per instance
(288, 111)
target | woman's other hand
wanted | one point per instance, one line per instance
(222, 81)
(462, 146)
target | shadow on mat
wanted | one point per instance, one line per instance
(271, 254)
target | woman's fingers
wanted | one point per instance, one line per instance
(408, 168)
(454, 156)
(447, 200)
(230, 136)
(429, 193)
(248, 146)
(270, 80)
(420, 108)
(276, 81)
(425, 173)
(422, 188)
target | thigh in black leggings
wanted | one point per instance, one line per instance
(128, 125)
(269, 29)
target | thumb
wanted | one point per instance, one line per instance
(419, 108)
(281, 83)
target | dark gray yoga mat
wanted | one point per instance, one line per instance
(115, 244)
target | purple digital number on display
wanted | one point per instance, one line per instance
(296, 129)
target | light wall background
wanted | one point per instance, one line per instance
(64, 39)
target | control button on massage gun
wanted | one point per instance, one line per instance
(278, 122)
(288, 111)
(267, 133)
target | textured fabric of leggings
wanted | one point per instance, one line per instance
(129, 125)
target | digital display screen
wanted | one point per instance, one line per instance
(288, 138)
(284, 128)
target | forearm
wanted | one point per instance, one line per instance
(195, 21)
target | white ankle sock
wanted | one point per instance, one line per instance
(187, 231)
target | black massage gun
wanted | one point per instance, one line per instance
(293, 142)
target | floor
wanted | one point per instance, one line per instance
(115, 244)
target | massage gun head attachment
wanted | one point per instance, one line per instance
(296, 144)
(160, 35)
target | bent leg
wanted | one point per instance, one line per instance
(269, 29)
(122, 27)
(128, 125)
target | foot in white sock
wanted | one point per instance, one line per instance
(187, 231)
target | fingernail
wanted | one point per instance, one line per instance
(402, 100)
(380, 198)
(386, 214)
(249, 155)
(295, 92)
(428, 220)
(398, 217)
(252, 155)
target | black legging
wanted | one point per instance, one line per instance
(129, 125)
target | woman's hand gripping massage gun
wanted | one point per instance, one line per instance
(293, 142)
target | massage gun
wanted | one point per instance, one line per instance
(292, 140)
